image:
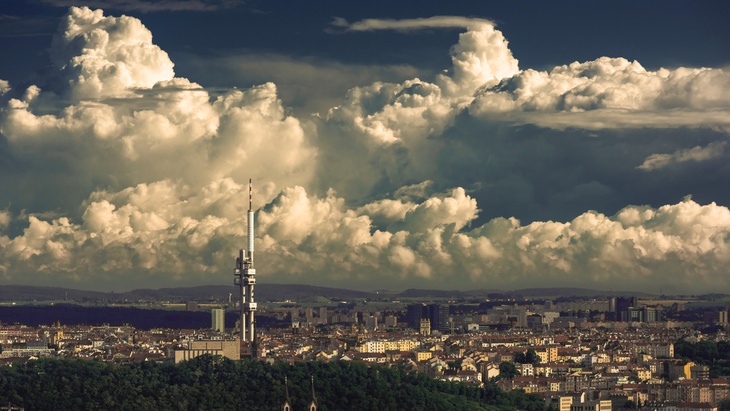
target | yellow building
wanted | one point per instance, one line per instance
(425, 327)
(56, 337)
(600, 405)
(564, 403)
(401, 345)
(228, 349)
(643, 374)
(423, 355)
(552, 353)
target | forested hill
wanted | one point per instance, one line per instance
(215, 383)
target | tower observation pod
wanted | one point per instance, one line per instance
(245, 276)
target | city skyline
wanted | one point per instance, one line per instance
(455, 146)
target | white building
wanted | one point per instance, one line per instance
(218, 319)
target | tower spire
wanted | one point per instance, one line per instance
(313, 402)
(287, 400)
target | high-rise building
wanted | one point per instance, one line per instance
(414, 313)
(534, 321)
(635, 315)
(370, 322)
(218, 319)
(622, 307)
(652, 315)
(323, 315)
(437, 314)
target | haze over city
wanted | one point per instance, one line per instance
(453, 146)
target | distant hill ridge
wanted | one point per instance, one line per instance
(282, 292)
(525, 292)
(264, 292)
(576, 292)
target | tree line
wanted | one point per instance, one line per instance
(715, 355)
(216, 383)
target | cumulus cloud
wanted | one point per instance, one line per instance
(125, 174)
(534, 143)
(481, 57)
(595, 94)
(131, 121)
(607, 83)
(389, 132)
(106, 56)
(150, 231)
(165, 230)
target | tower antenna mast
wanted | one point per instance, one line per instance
(245, 276)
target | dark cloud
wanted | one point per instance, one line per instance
(542, 174)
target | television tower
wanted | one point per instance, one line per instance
(245, 277)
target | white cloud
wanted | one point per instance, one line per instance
(697, 153)
(106, 56)
(411, 24)
(154, 230)
(4, 219)
(137, 178)
(164, 230)
(609, 93)
(457, 209)
(389, 132)
(481, 57)
(130, 121)
(4, 87)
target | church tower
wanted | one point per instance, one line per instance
(287, 405)
(287, 401)
(313, 402)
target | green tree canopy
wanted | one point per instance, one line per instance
(507, 370)
(213, 382)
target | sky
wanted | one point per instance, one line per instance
(456, 145)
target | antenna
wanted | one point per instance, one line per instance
(246, 276)
(250, 222)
